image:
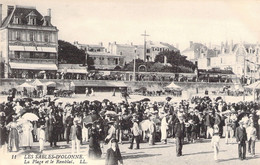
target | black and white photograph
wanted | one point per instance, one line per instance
(120, 82)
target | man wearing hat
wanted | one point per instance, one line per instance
(69, 123)
(76, 135)
(179, 130)
(136, 134)
(241, 138)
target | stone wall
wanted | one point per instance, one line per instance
(190, 87)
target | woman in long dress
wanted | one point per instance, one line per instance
(164, 127)
(13, 139)
(94, 146)
(26, 136)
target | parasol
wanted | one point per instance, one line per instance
(168, 98)
(28, 99)
(30, 117)
(111, 113)
(105, 100)
(36, 102)
(145, 99)
(90, 119)
(97, 102)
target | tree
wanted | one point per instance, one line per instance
(68, 53)
(178, 62)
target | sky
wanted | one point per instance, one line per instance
(172, 21)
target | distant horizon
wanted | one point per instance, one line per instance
(173, 22)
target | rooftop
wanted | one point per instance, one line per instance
(22, 12)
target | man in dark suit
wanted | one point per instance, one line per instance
(179, 130)
(69, 123)
(241, 138)
(52, 128)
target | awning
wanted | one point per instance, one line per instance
(33, 49)
(31, 66)
(49, 49)
(30, 48)
(16, 48)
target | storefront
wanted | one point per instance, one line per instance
(32, 71)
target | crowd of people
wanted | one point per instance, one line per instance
(97, 123)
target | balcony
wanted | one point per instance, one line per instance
(33, 60)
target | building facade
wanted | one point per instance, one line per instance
(242, 59)
(131, 52)
(29, 43)
(198, 51)
(102, 59)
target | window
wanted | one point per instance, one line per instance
(17, 55)
(31, 55)
(47, 55)
(148, 51)
(121, 53)
(17, 20)
(34, 21)
(18, 36)
(116, 61)
(31, 36)
(46, 37)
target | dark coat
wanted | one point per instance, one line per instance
(113, 157)
(209, 120)
(241, 135)
(179, 129)
(94, 147)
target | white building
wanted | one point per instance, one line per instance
(29, 43)
(242, 59)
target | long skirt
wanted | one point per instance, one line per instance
(13, 140)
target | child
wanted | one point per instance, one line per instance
(215, 141)
(41, 137)
(113, 154)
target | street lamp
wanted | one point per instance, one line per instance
(134, 64)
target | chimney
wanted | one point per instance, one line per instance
(191, 44)
(115, 42)
(49, 15)
(0, 15)
(131, 43)
(101, 43)
(49, 12)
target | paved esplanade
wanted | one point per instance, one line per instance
(195, 153)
